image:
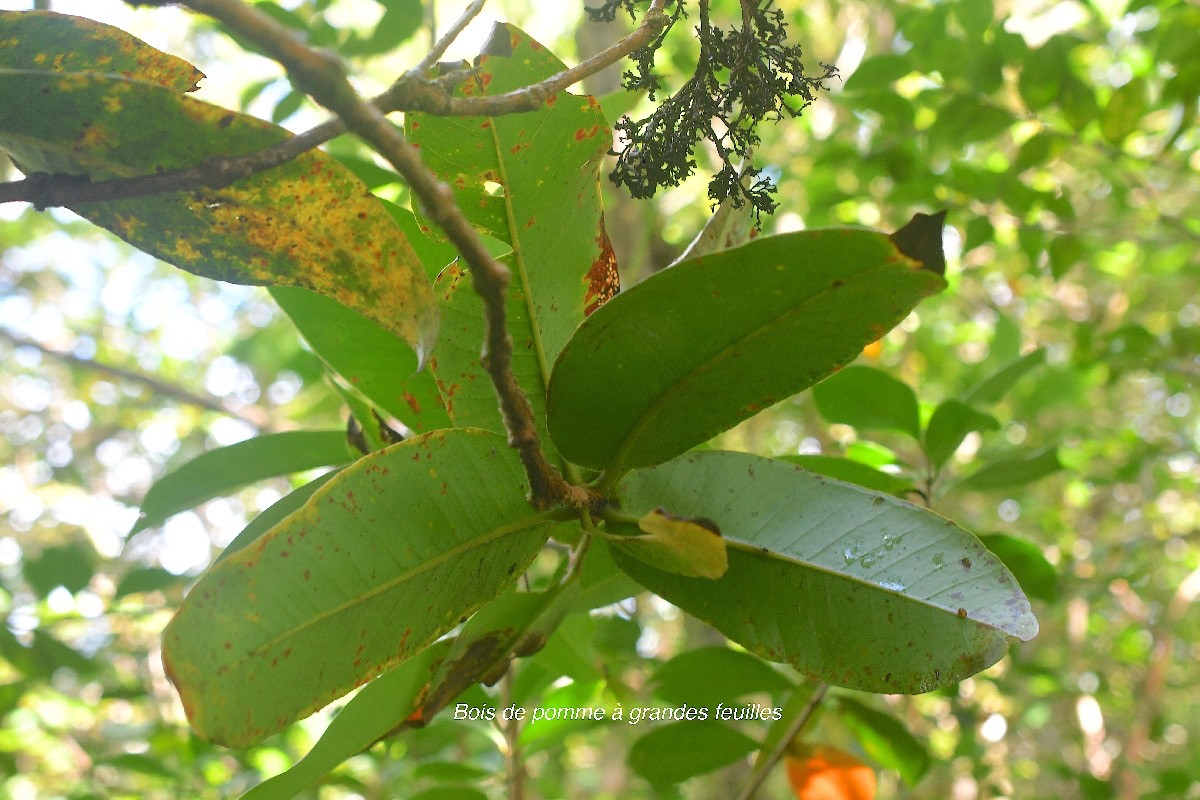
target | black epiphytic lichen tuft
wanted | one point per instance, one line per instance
(745, 74)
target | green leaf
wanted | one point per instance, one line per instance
(845, 469)
(309, 222)
(70, 566)
(450, 793)
(1065, 252)
(1024, 559)
(682, 750)
(146, 579)
(851, 587)
(1123, 113)
(1078, 102)
(1011, 472)
(995, 386)
(46, 40)
(225, 470)
(602, 582)
(964, 119)
(886, 740)
(975, 16)
(515, 623)
(1038, 149)
(530, 180)
(275, 513)
(400, 20)
(381, 561)
(710, 675)
(695, 349)
(381, 706)
(878, 72)
(949, 425)
(867, 398)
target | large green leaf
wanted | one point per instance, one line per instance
(697, 348)
(59, 43)
(852, 587)
(309, 222)
(868, 398)
(531, 180)
(227, 469)
(382, 560)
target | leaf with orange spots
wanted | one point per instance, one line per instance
(380, 562)
(45, 40)
(849, 586)
(827, 773)
(699, 347)
(530, 180)
(308, 223)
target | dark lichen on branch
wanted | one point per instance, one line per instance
(745, 75)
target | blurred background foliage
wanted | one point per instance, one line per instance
(1061, 136)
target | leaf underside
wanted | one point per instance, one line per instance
(852, 587)
(389, 555)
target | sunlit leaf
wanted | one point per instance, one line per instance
(46, 40)
(886, 740)
(845, 469)
(949, 425)
(855, 588)
(530, 180)
(1009, 472)
(1025, 560)
(996, 386)
(308, 223)
(681, 750)
(380, 561)
(868, 398)
(697, 348)
(707, 676)
(225, 470)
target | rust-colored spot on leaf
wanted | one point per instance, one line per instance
(603, 280)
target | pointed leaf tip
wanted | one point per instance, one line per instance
(921, 240)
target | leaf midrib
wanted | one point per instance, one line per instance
(425, 566)
(617, 461)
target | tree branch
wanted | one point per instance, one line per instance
(764, 766)
(414, 91)
(443, 44)
(256, 416)
(320, 75)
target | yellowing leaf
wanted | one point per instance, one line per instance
(826, 773)
(692, 547)
(308, 223)
(55, 42)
